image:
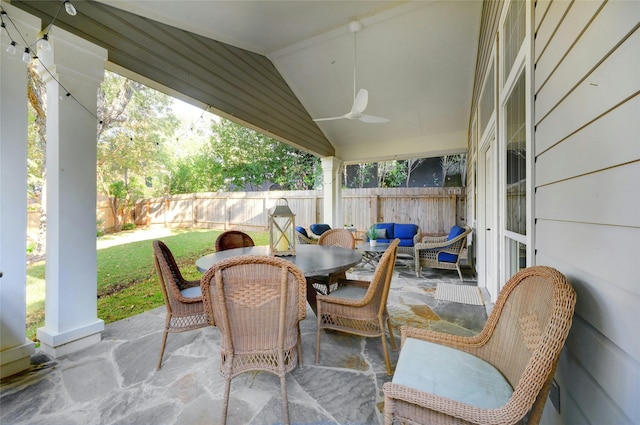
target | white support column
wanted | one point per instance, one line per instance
(75, 71)
(331, 175)
(15, 348)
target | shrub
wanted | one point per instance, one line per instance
(128, 226)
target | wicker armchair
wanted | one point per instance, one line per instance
(183, 298)
(360, 307)
(233, 239)
(302, 237)
(496, 377)
(257, 303)
(441, 252)
(334, 237)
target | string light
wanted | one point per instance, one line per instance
(12, 48)
(41, 44)
(68, 7)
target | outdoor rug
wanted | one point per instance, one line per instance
(464, 294)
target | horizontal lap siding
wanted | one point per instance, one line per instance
(587, 199)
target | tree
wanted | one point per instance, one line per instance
(135, 123)
(239, 158)
(36, 151)
(412, 164)
(391, 173)
(453, 165)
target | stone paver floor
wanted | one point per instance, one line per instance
(115, 381)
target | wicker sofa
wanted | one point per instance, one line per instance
(407, 233)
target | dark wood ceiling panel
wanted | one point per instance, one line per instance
(242, 84)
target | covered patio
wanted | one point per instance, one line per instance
(115, 381)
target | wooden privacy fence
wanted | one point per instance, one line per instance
(434, 210)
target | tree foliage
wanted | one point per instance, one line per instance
(135, 124)
(239, 158)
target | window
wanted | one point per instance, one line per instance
(516, 175)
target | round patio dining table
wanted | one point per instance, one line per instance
(312, 260)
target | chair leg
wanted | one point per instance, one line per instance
(285, 404)
(225, 402)
(164, 343)
(299, 346)
(391, 338)
(384, 345)
(459, 271)
(318, 339)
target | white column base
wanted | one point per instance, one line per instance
(57, 345)
(16, 359)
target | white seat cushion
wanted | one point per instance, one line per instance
(451, 374)
(193, 292)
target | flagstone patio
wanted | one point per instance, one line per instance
(115, 381)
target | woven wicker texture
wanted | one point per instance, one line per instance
(183, 314)
(257, 303)
(302, 239)
(522, 338)
(365, 316)
(428, 250)
(335, 237)
(233, 239)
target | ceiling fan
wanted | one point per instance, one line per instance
(362, 98)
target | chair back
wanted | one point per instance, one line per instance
(171, 280)
(338, 237)
(256, 302)
(233, 239)
(378, 290)
(526, 331)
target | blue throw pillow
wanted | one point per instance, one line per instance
(389, 229)
(455, 232)
(405, 231)
(302, 230)
(319, 229)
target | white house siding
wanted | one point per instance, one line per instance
(587, 197)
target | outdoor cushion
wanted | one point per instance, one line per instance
(319, 229)
(452, 374)
(349, 293)
(405, 231)
(381, 233)
(302, 230)
(193, 292)
(446, 257)
(388, 227)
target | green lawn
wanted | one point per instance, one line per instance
(127, 280)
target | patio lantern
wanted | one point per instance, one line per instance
(282, 241)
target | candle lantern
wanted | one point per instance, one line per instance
(282, 241)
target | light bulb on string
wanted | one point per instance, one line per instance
(70, 9)
(26, 56)
(43, 44)
(3, 27)
(12, 48)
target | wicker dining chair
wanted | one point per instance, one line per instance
(360, 307)
(441, 252)
(183, 298)
(496, 377)
(333, 237)
(233, 239)
(257, 303)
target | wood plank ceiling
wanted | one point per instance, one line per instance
(236, 83)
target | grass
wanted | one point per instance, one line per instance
(127, 280)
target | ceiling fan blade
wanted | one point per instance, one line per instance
(360, 102)
(372, 120)
(332, 118)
